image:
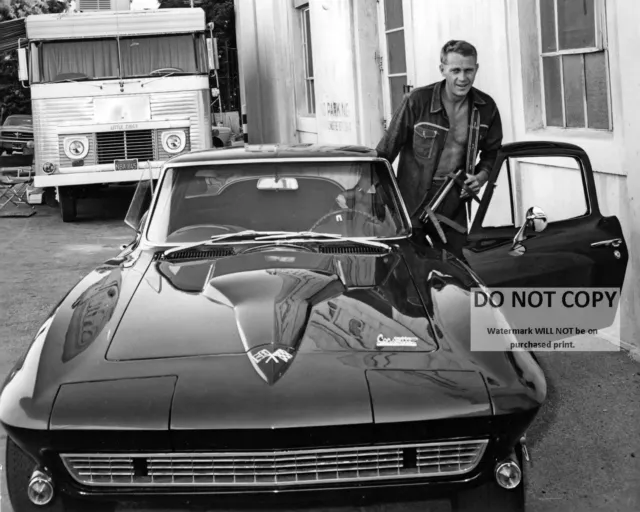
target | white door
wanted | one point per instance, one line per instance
(396, 52)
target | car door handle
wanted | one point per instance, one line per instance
(614, 242)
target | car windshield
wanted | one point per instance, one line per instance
(18, 121)
(346, 198)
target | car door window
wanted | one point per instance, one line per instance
(554, 184)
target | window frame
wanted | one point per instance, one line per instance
(382, 56)
(511, 164)
(304, 12)
(601, 45)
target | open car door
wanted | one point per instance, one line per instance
(539, 225)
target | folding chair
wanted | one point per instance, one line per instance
(15, 181)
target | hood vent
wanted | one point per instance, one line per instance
(351, 249)
(196, 254)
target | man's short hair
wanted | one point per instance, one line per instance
(456, 46)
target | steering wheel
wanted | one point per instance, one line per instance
(345, 210)
(162, 70)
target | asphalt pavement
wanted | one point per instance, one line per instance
(584, 446)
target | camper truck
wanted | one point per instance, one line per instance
(114, 95)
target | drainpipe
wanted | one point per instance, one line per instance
(245, 132)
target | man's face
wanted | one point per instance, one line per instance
(460, 73)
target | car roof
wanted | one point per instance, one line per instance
(275, 151)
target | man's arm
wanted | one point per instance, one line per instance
(490, 148)
(400, 131)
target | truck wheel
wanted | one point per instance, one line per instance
(68, 204)
(19, 468)
(490, 497)
(49, 197)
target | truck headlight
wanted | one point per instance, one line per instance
(76, 147)
(174, 142)
(49, 167)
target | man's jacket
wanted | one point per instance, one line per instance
(418, 131)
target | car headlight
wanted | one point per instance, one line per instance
(76, 147)
(174, 142)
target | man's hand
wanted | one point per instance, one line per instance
(474, 182)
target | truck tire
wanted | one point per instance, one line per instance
(49, 197)
(68, 204)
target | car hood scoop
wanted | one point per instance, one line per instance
(270, 305)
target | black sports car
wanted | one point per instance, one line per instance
(274, 335)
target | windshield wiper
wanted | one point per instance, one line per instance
(330, 236)
(160, 77)
(216, 238)
(75, 81)
(69, 80)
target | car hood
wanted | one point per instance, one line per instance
(17, 128)
(249, 339)
(273, 302)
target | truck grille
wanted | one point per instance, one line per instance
(125, 144)
(296, 467)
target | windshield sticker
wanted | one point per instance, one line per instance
(396, 341)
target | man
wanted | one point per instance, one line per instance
(437, 130)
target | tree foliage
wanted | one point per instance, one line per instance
(220, 12)
(15, 99)
(14, 9)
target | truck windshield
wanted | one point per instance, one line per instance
(88, 59)
(95, 59)
(148, 56)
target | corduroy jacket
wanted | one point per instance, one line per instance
(417, 133)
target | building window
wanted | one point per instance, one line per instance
(574, 64)
(396, 52)
(310, 90)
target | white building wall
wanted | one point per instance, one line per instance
(349, 92)
(347, 80)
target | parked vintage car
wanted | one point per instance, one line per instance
(16, 133)
(258, 342)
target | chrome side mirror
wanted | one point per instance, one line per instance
(536, 220)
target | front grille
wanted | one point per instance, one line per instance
(17, 136)
(296, 467)
(126, 144)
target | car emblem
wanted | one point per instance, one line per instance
(17, 134)
(271, 362)
(396, 341)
